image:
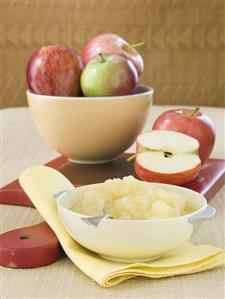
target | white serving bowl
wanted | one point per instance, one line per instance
(133, 240)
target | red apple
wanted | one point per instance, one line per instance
(109, 43)
(108, 75)
(193, 123)
(54, 70)
(167, 157)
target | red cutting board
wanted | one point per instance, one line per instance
(37, 245)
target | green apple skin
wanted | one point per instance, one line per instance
(108, 75)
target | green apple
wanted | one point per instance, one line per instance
(108, 75)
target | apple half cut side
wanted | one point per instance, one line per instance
(167, 157)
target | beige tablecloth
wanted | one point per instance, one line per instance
(21, 146)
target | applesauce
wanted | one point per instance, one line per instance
(129, 198)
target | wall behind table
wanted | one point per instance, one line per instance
(184, 52)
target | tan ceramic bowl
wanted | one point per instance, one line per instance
(91, 130)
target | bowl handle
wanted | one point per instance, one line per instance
(209, 212)
(58, 194)
(197, 219)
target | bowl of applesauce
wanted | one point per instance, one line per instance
(145, 220)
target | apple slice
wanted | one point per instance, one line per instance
(167, 157)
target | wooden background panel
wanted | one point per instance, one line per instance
(184, 52)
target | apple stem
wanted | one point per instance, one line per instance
(137, 45)
(194, 111)
(131, 157)
(101, 58)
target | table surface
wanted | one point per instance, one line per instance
(21, 146)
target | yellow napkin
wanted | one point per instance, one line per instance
(41, 182)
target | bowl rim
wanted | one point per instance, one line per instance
(186, 216)
(149, 91)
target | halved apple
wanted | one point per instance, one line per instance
(167, 157)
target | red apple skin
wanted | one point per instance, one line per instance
(109, 43)
(179, 178)
(54, 70)
(197, 125)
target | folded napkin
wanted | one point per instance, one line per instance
(40, 183)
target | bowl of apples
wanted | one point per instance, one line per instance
(88, 107)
